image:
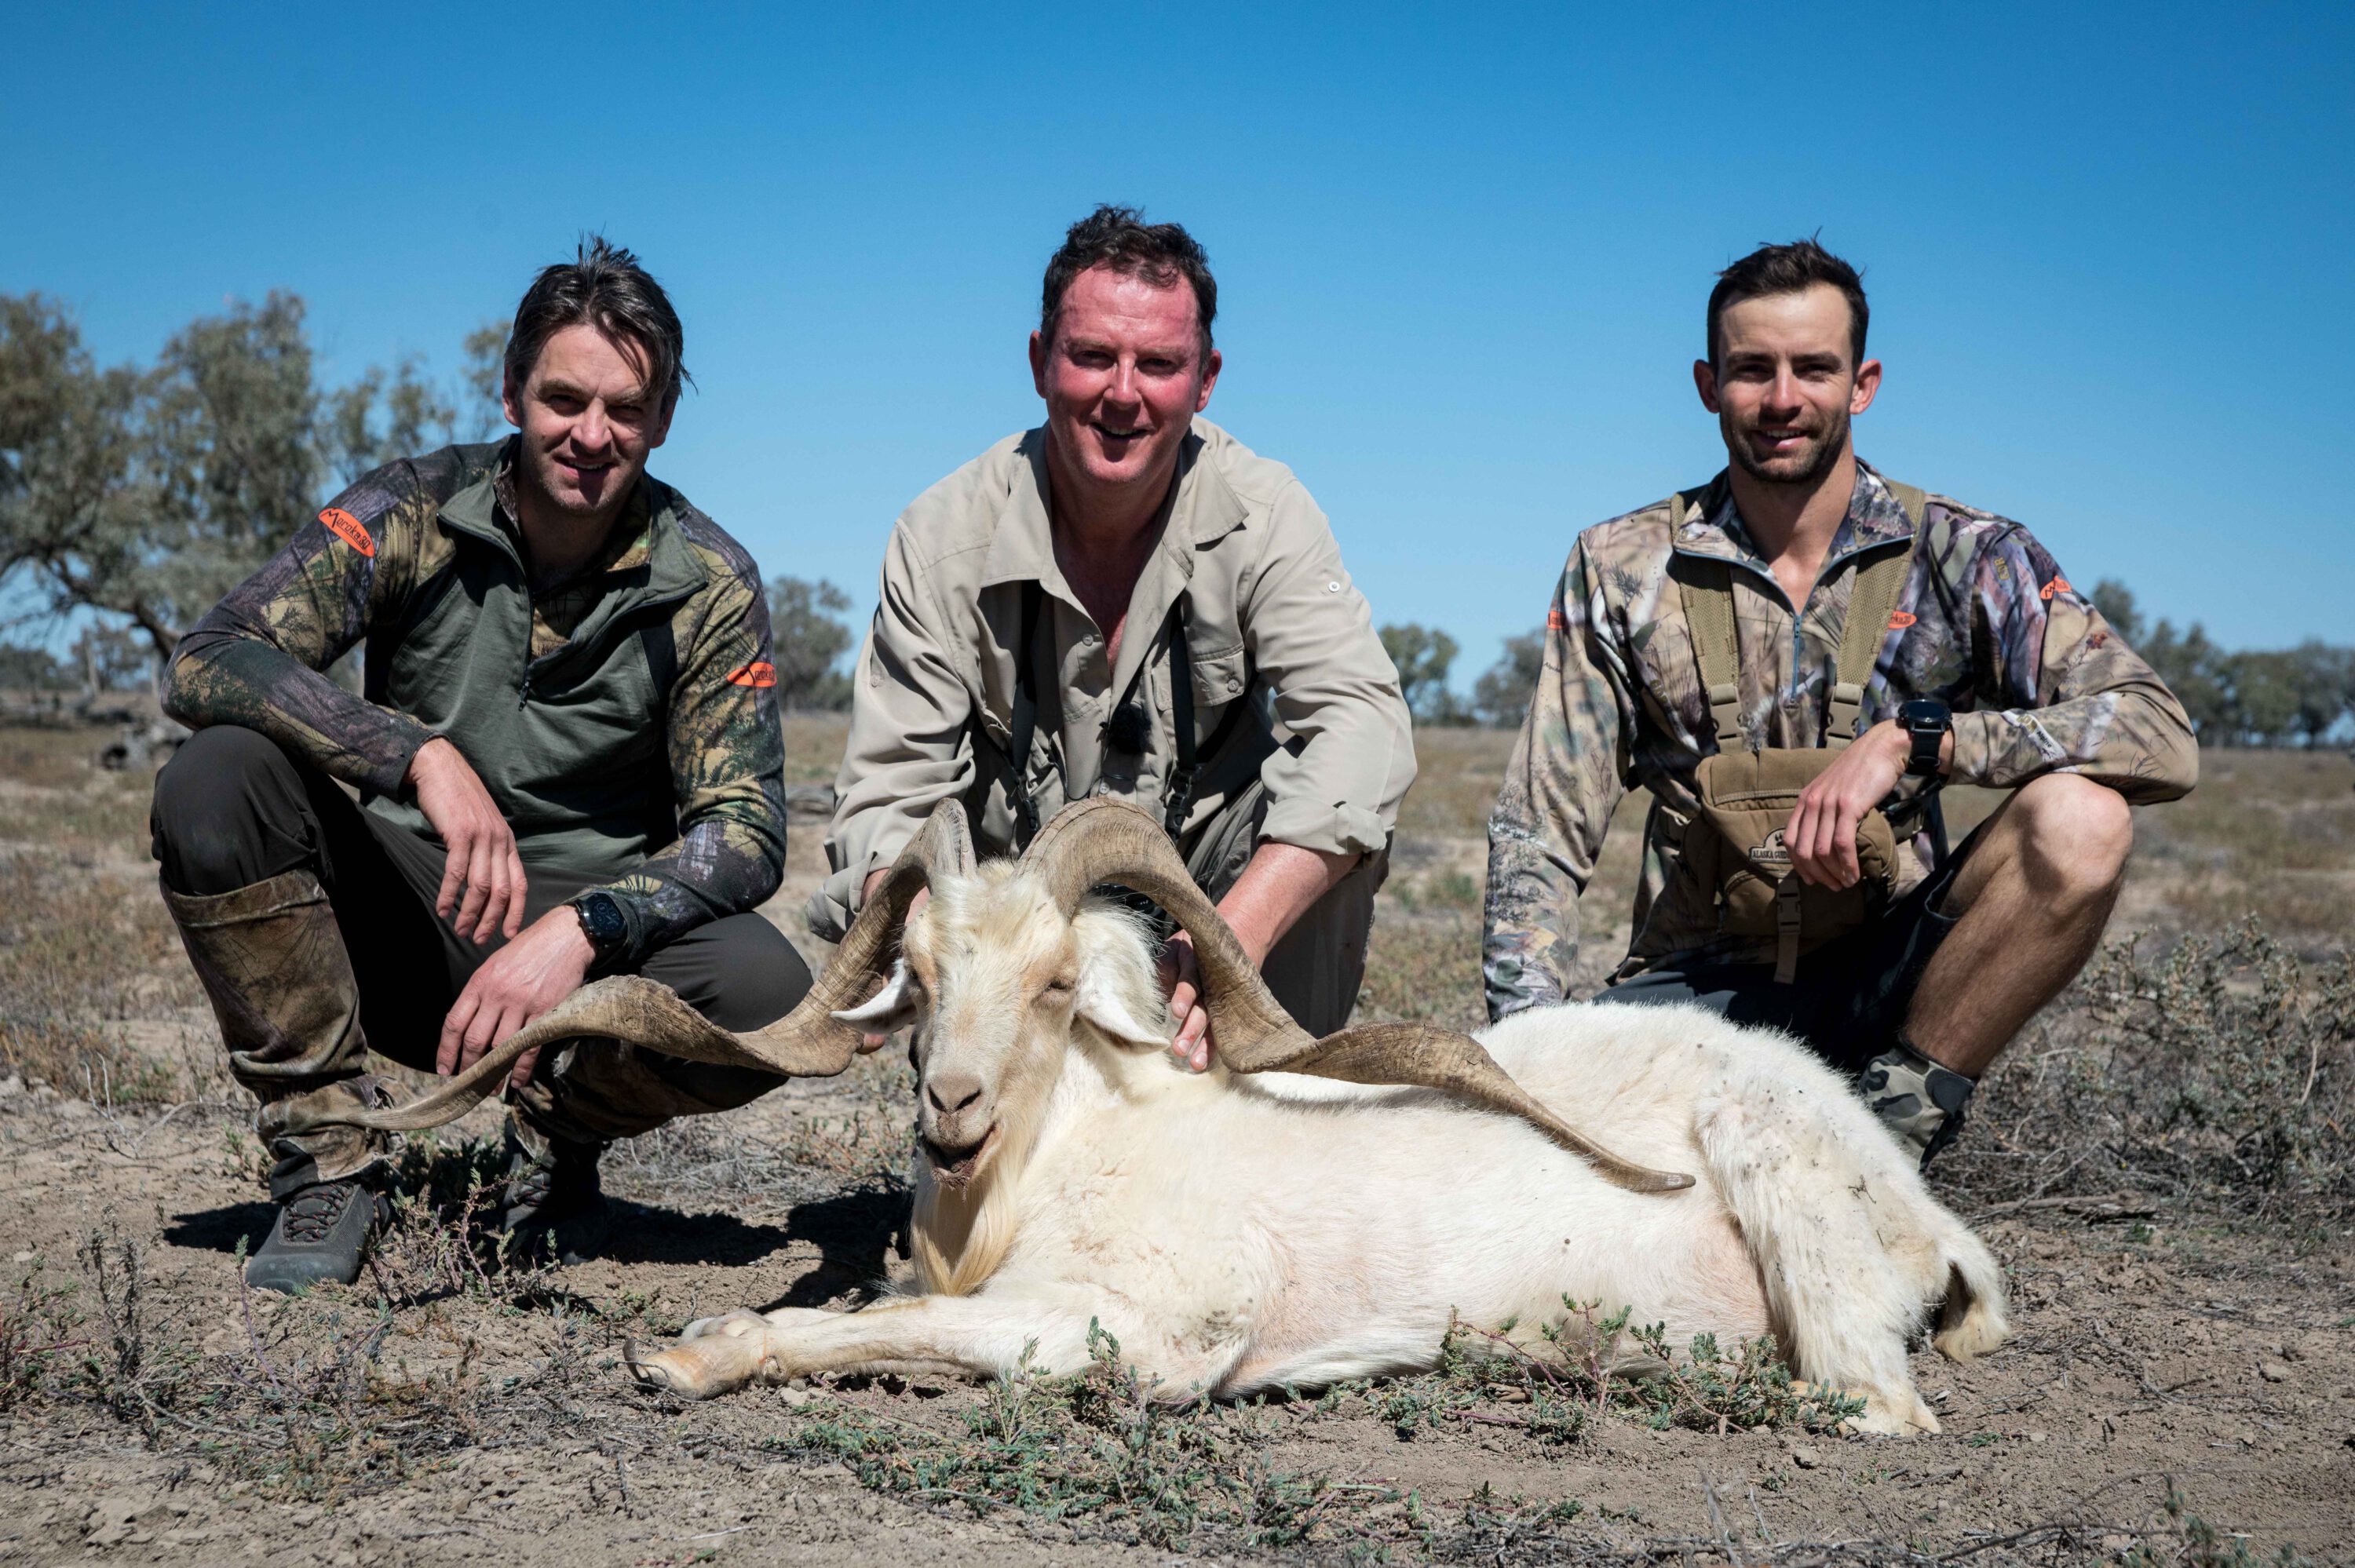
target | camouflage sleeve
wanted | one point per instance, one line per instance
(1567, 774)
(2074, 697)
(727, 766)
(256, 660)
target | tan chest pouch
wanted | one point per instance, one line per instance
(1734, 854)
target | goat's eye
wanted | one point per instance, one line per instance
(1058, 987)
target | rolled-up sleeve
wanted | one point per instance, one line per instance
(909, 718)
(2073, 698)
(1312, 637)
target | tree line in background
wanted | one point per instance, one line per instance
(132, 498)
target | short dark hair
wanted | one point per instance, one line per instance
(1119, 238)
(1790, 270)
(605, 288)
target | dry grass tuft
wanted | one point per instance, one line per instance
(80, 954)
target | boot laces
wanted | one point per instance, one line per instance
(311, 1215)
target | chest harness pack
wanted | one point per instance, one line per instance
(1732, 853)
(1129, 730)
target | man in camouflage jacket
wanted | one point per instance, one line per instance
(2034, 692)
(567, 762)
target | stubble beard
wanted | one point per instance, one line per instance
(537, 474)
(1824, 459)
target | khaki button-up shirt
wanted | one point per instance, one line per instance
(1271, 619)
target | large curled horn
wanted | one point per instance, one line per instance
(808, 1042)
(1103, 839)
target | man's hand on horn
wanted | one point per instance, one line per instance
(516, 985)
(1181, 981)
(1282, 882)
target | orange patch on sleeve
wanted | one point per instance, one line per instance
(2058, 585)
(759, 673)
(1555, 621)
(347, 527)
(1901, 620)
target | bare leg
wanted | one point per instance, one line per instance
(2034, 898)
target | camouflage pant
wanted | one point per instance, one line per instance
(270, 868)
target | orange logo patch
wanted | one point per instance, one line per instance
(2058, 585)
(1901, 620)
(1555, 622)
(759, 673)
(347, 527)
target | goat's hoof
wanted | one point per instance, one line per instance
(1884, 1415)
(698, 1368)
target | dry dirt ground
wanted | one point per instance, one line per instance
(2181, 1387)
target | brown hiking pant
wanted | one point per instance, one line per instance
(242, 829)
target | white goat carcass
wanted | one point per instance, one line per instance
(1239, 1230)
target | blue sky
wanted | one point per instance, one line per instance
(1463, 252)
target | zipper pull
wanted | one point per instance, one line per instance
(523, 691)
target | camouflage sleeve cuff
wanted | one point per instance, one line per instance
(708, 874)
(2002, 749)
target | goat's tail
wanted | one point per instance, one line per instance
(1972, 1321)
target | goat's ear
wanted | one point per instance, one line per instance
(1106, 999)
(893, 1007)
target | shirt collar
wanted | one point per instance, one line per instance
(1202, 508)
(1711, 524)
(648, 534)
(628, 545)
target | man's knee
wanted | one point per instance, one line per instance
(228, 811)
(2075, 835)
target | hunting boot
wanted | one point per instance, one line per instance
(555, 1203)
(1919, 1101)
(271, 959)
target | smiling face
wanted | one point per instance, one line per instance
(589, 421)
(1785, 386)
(1123, 377)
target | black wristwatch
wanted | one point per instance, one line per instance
(603, 922)
(1926, 720)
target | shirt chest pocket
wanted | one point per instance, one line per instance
(1219, 676)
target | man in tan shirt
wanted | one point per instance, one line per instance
(1049, 612)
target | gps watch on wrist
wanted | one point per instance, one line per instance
(603, 922)
(1926, 721)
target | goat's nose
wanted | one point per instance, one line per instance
(951, 1093)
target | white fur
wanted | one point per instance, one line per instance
(1239, 1233)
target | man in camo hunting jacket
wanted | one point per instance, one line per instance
(569, 765)
(1991, 670)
